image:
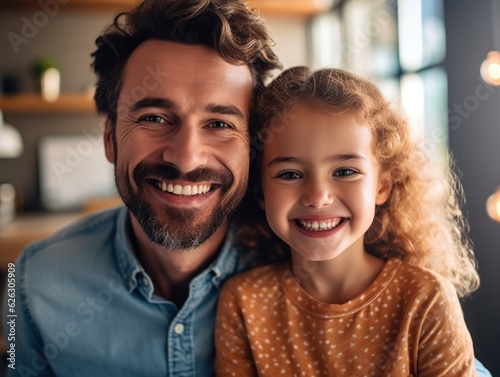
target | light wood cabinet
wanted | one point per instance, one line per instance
(289, 7)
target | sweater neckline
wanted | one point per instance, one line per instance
(305, 302)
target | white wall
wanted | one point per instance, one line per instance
(290, 35)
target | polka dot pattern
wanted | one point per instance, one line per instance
(407, 323)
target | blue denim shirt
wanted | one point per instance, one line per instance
(86, 307)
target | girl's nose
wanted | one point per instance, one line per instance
(317, 195)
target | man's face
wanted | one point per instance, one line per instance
(181, 146)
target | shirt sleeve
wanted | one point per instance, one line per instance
(445, 346)
(27, 358)
(481, 369)
(233, 352)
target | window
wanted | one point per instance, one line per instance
(400, 45)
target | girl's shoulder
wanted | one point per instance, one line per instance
(257, 280)
(418, 280)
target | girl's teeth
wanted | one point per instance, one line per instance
(319, 225)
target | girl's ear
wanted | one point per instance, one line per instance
(384, 188)
(109, 145)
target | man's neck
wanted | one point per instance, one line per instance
(172, 270)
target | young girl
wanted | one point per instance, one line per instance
(376, 238)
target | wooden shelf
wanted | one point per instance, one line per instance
(27, 228)
(288, 7)
(24, 229)
(32, 103)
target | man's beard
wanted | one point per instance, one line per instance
(182, 230)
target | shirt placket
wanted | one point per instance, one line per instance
(181, 352)
(181, 347)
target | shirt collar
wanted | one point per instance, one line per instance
(130, 268)
(226, 263)
(128, 263)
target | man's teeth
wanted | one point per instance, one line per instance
(320, 225)
(187, 190)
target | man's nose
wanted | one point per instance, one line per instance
(317, 194)
(186, 149)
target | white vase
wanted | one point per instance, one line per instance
(50, 83)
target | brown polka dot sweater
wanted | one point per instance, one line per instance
(407, 323)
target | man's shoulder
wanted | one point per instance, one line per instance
(84, 235)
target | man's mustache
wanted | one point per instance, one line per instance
(168, 172)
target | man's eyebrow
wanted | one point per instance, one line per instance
(163, 103)
(331, 158)
(226, 110)
(168, 104)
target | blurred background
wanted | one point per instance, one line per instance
(440, 59)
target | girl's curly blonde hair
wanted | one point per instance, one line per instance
(421, 222)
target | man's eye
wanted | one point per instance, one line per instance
(219, 124)
(345, 172)
(289, 175)
(153, 119)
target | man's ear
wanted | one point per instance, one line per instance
(384, 188)
(109, 145)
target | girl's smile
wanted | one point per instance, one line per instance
(319, 228)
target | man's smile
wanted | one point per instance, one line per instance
(182, 189)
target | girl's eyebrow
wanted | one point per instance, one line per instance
(282, 159)
(344, 157)
(330, 158)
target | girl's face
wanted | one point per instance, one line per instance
(321, 182)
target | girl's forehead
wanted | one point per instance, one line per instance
(310, 130)
(305, 114)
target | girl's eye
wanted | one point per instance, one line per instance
(345, 172)
(289, 175)
(153, 119)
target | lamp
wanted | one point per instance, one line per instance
(490, 68)
(493, 206)
(11, 142)
(490, 73)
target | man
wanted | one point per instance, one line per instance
(132, 291)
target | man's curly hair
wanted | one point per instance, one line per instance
(228, 26)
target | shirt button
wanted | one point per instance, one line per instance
(179, 328)
(145, 281)
(131, 284)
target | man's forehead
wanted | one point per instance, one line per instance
(185, 62)
(190, 77)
